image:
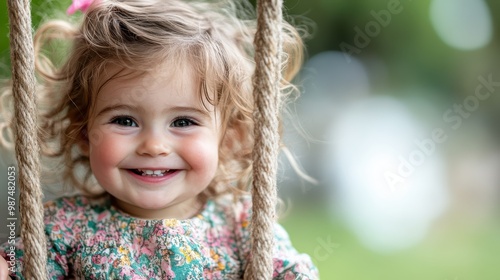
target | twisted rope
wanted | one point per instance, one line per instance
(27, 147)
(266, 81)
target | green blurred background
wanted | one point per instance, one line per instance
(398, 124)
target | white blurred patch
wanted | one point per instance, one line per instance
(462, 24)
(367, 142)
(330, 83)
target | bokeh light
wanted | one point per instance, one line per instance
(462, 24)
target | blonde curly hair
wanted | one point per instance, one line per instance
(215, 37)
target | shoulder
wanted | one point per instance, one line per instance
(230, 216)
(287, 261)
(76, 204)
(71, 211)
(234, 210)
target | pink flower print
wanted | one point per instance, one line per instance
(278, 266)
(97, 259)
(100, 236)
(145, 251)
(289, 276)
(167, 270)
(126, 271)
(92, 241)
(81, 5)
(102, 216)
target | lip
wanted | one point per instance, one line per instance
(151, 179)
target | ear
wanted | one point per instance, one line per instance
(83, 143)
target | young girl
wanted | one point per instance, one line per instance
(153, 111)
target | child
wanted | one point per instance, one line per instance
(154, 104)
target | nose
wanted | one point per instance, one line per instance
(154, 144)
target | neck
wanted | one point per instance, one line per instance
(185, 210)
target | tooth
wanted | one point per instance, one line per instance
(157, 172)
(149, 172)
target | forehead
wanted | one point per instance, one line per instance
(173, 78)
(180, 74)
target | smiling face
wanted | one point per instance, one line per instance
(153, 144)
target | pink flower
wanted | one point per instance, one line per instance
(97, 259)
(290, 276)
(81, 5)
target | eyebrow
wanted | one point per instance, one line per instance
(125, 107)
(117, 108)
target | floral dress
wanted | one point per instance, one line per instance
(91, 239)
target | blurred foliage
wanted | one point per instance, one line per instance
(410, 47)
(466, 253)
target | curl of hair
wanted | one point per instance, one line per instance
(215, 37)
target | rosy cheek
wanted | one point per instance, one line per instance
(204, 154)
(106, 152)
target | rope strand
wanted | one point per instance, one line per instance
(27, 146)
(266, 83)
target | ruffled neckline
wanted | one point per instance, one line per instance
(197, 220)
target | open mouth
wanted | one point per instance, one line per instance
(152, 173)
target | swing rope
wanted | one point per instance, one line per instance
(26, 139)
(266, 82)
